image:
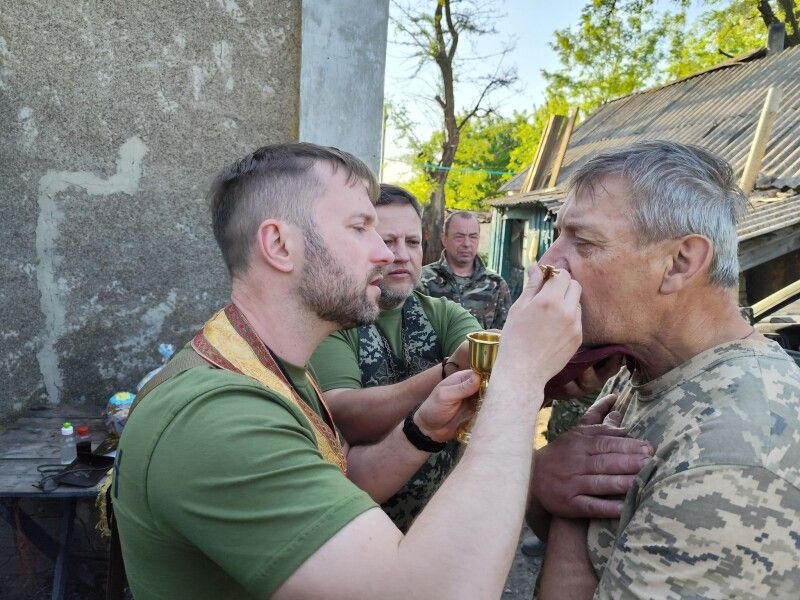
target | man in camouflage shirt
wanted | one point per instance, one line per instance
(461, 276)
(649, 231)
(375, 374)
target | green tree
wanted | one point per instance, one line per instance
(786, 12)
(722, 32)
(492, 148)
(610, 53)
(770, 11)
(621, 46)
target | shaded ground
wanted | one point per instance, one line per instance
(523, 574)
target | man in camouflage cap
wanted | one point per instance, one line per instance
(461, 276)
(649, 231)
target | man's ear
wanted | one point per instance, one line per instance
(690, 255)
(277, 245)
(441, 239)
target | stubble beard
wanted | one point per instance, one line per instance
(328, 291)
(392, 298)
(458, 262)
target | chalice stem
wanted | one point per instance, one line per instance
(482, 354)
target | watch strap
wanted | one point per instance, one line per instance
(416, 438)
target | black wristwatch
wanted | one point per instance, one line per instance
(446, 361)
(419, 440)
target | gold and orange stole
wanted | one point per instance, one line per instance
(228, 341)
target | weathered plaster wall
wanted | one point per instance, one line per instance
(113, 118)
(341, 77)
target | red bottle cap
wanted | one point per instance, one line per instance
(82, 430)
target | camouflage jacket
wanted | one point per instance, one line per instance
(716, 513)
(486, 294)
(379, 366)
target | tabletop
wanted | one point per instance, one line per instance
(33, 440)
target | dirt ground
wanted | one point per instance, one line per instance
(523, 574)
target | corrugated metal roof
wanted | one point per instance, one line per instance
(769, 214)
(764, 214)
(551, 198)
(717, 109)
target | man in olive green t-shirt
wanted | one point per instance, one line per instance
(374, 374)
(231, 481)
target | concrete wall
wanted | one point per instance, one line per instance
(113, 118)
(341, 77)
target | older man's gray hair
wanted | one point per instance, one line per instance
(676, 190)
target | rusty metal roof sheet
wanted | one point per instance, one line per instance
(769, 214)
(716, 109)
(551, 198)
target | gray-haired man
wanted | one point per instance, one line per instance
(649, 232)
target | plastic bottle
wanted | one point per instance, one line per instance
(117, 411)
(68, 452)
(166, 351)
(83, 439)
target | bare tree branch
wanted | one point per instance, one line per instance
(438, 37)
(766, 13)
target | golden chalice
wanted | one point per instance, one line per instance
(483, 346)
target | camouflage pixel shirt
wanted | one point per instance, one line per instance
(484, 293)
(716, 513)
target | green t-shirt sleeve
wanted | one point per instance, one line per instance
(452, 321)
(238, 475)
(335, 361)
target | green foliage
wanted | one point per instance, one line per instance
(722, 32)
(491, 150)
(610, 53)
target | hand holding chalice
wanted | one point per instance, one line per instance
(483, 347)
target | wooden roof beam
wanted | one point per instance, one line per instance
(759, 146)
(544, 152)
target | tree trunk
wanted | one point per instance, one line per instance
(769, 17)
(792, 30)
(433, 217)
(432, 221)
(441, 44)
(767, 14)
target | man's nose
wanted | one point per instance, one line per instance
(553, 257)
(401, 253)
(382, 255)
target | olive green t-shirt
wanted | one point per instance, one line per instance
(335, 361)
(220, 490)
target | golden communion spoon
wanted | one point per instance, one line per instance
(549, 271)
